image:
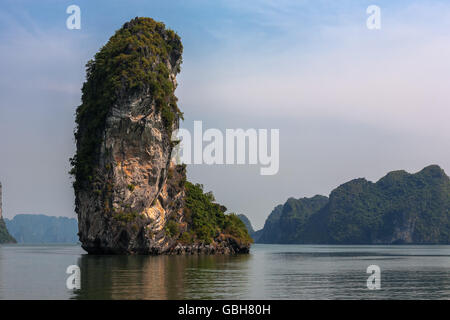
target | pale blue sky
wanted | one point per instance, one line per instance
(349, 102)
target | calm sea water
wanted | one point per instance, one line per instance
(269, 272)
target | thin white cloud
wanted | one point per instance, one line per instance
(394, 77)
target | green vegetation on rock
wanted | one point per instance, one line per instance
(287, 222)
(399, 208)
(135, 60)
(207, 220)
(126, 216)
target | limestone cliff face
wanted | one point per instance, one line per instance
(130, 197)
(130, 204)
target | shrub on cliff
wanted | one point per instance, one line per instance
(207, 220)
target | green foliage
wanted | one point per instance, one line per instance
(399, 208)
(235, 227)
(187, 237)
(126, 216)
(207, 220)
(172, 228)
(287, 222)
(134, 60)
(417, 204)
(131, 187)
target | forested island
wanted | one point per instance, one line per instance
(400, 208)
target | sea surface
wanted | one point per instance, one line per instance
(268, 272)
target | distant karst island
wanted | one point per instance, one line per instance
(40, 228)
(5, 236)
(400, 208)
(129, 196)
(36, 228)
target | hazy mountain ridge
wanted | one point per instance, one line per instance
(39, 228)
(398, 208)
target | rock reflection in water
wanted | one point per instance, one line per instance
(162, 277)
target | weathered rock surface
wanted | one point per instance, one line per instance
(126, 186)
